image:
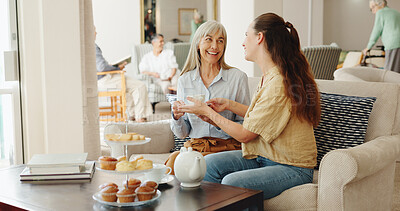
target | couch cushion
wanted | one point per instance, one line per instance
(302, 197)
(384, 115)
(159, 132)
(179, 143)
(344, 121)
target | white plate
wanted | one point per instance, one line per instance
(166, 179)
(97, 197)
(146, 140)
(122, 172)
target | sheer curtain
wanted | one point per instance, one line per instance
(89, 82)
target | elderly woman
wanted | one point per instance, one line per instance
(205, 73)
(278, 144)
(387, 24)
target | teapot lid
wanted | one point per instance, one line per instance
(184, 149)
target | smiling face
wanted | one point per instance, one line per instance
(211, 48)
(250, 43)
(158, 44)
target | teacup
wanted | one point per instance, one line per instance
(158, 172)
(199, 97)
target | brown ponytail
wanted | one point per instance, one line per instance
(283, 44)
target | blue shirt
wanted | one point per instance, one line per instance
(101, 63)
(231, 84)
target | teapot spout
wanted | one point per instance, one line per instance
(195, 171)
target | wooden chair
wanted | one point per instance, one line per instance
(117, 106)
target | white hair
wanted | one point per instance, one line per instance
(379, 2)
(193, 58)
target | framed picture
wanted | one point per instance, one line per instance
(185, 16)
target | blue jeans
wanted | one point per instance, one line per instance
(230, 168)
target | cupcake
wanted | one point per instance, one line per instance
(126, 195)
(109, 194)
(151, 184)
(107, 162)
(132, 183)
(145, 193)
(107, 184)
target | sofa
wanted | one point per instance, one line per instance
(366, 74)
(156, 94)
(356, 178)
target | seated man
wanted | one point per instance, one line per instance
(137, 101)
(160, 64)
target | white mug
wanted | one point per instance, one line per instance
(158, 172)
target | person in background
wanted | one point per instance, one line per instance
(138, 104)
(386, 26)
(205, 72)
(160, 64)
(195, 23)
(278, 145)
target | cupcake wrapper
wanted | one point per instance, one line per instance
(108, 162)
(146, 192)
(108, 194)
(130, 195)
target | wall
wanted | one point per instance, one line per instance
(302, 21)
(236, 25)
(167, 16)
(236, 17)
(53, 94)
(349, 22)
(118, 27)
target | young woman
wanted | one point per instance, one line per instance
(206, 73)
(278, 144)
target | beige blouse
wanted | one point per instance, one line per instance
(283, 137)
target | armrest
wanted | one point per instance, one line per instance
(162, 139)
(111, 72)
(341, 167)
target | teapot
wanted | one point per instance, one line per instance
(190, 167)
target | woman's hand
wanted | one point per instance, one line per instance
(198, 108)
(219, 104)
(175, 109)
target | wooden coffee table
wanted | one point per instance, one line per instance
(15, 195)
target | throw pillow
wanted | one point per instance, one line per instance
(344, 121)
(179, 143)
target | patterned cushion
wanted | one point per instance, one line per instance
(179, 143)
(344, 121)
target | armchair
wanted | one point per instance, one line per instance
(323, 60)
(155, 92)
(116, 107)
(366, 74)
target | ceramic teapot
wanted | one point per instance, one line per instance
(190, 167)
